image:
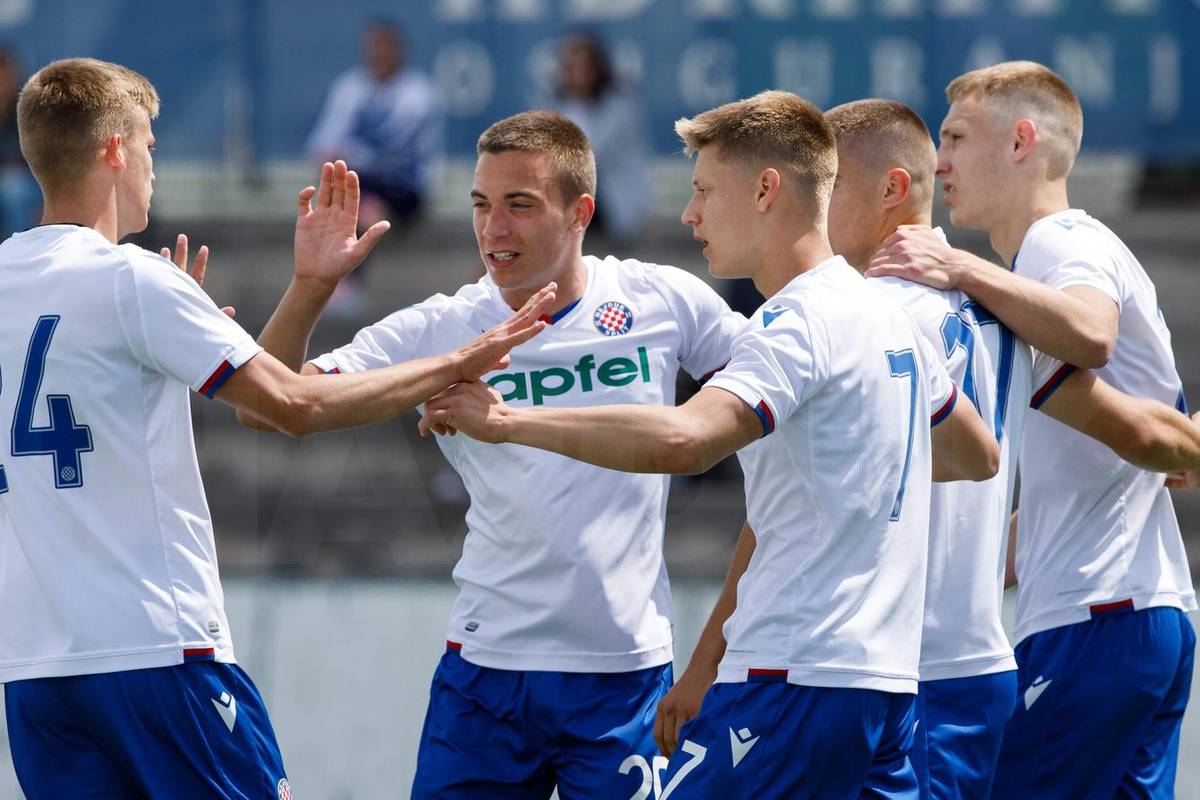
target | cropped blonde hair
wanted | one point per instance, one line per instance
(569, 150)
(1028, 90)
(70, 108)
(882, 134)
(771, 129)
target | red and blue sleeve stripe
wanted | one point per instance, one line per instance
(947, 407)
(765, 417)
(214, 382)
(1056, 380)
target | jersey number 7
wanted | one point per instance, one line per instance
(63, 438)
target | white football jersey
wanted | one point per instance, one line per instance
(107, 561)
(1094, 530)
(968, 520)
(838, 496)
(562, 568)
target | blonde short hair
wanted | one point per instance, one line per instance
(772, 129)
(70, 108)
(569, 150)
(882, 134)
(1028, 90)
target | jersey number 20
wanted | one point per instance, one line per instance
(63, 439)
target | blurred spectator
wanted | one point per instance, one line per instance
(591, 97)
(385, 120)
(20, 200)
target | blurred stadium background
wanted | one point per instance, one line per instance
(336, 550)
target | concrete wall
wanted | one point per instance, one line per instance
(345, 669)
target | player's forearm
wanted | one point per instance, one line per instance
(329, 402)
(649, 439)
(1169, 441)
(289, 329)
(1050, 320)
(710, 649)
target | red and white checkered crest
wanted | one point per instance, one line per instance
(613, 318)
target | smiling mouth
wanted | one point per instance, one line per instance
(501, 257)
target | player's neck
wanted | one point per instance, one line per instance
(572, 283)
(1044, 199)
(785, 259)
(102, 218)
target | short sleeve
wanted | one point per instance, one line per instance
(776, 365)
(1048, 374)
(707, 326)
(173, 327)
(399, 337)
(943, 394)
(1062, 258)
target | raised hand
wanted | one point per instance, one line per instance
(327, 244)
(489, 351)
(198, 268)
(916, 253)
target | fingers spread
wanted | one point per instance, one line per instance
(370, 238)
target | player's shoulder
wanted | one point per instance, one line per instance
(919, 298)
(1071, 235)
(462, 306)
(642, 278)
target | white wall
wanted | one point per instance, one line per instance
(345, 669)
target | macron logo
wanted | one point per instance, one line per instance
(740, 742)
(773, 313)
(227, 707)
(1035, 691)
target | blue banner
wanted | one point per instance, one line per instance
(244, 79)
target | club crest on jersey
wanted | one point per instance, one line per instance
(283, 790)
(613, 318)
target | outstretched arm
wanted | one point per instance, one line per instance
(685, 439)
(1077, 325)
(1146, 433)
(683, 702)
(265, 389)
(327, 249)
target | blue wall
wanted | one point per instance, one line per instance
(246, 77)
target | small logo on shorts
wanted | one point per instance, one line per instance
(283, 790)
(740, 743)
(227, 707)
(1035, 690)
(613, 318)
(472, 626)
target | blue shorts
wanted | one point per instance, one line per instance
(508, 734)
(197, 730)
(960, 722)
(777, 741)
(1099, 707)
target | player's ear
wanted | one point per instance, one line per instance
(767, 188)
(114, 154)
(1024, 139)
(585, 209)
(896, 186)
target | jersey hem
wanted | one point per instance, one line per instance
(563, 662)
(1071, 615)
(829, 678)
(98, 663)
(970, 668)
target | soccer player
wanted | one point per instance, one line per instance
(559, 645)
(119, 670)
(886, 165)
(816, 688)
(1103, 574)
